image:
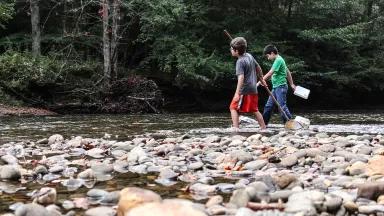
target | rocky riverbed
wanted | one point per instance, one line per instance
(285, 173)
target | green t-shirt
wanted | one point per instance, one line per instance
(279, 76)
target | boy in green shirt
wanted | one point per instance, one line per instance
(280, 74)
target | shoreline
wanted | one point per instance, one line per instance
(6, 110)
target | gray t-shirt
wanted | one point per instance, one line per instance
(246, 65)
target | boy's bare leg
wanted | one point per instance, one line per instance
(235, 118)
(260, 119)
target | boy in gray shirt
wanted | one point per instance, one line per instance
(246, 97)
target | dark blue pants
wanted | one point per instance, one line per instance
(280, 94)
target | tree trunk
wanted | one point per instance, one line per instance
(106, 43)
(65, 18)
(36, 34)
(115, 36)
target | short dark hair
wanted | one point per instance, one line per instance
(270, 49)
(239, 44)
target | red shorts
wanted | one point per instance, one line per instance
(246, 104)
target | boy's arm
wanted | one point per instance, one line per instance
(290, 80)
(259, 74)
(240, 82)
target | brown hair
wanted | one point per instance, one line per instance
(239, 44)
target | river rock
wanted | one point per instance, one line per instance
(327, 148)
(375, 166)
(132, 196)
(31, 209)
(203, 189)
(137, 154)
(255, 165)
(304, 202)
(333, 203)
(240, 155)
(57, 138)
(47, 195)
(166, 208)
(371, 209)
(9, 159)
(40, 169)
(100, 211)
(86, 174)
(357, 168)
(370, 190)
(215, 200)
(282, 180)
(280, 195)
(289, 161)
(111, 198)
(196, 165)
(350, 206)
(96, 194)
(10, 172)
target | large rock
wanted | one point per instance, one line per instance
(240, 155)
(9, 159)
(370, 190)
(166, 208)
(375, 166)
(47, 195)
(32, 209)
(9, 172)
(289, 161)
(100, 211)
(282, 180)
(132, 196)
(57, 138)
(255, 165)
(304, 202)
(357, 168)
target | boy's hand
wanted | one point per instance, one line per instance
(293, 86)
(236, 97)
(264, 83)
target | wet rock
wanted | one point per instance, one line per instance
(167, 173)
(46, 196)
(96, 153)
(96, 194)
(282, 180)
(111, 198)
(333, 203)
(350, 206)
(371, 209)
(86, 174)
(10, 172)
(240, 155)
(68, 205)
(131, 197)
(122, 166)
(215, 200)
(72, 184)
(304, 202)
(100, 211)
(216, 210)
(206, 180)
(202, 189)
(357, 168)
(167, 208)
(255, 165)
(102, 168)
(50, 177)
(137, 154)
(370, 190)
(57, 138)
(31, 210)
(289, 161)
(225, 187)
(196, 165)
(9, 159)
(140, 169)
(40, 169)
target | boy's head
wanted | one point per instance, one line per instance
(238, 46)
(271, 52)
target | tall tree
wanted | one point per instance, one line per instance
(36, 33)
(106, 42)
(115, 36)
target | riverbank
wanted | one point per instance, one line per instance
(6, 110)
(277, 173)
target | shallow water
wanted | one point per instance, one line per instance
(124, 126)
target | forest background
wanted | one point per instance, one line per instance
(117, 56)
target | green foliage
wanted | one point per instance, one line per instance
(6, 11)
